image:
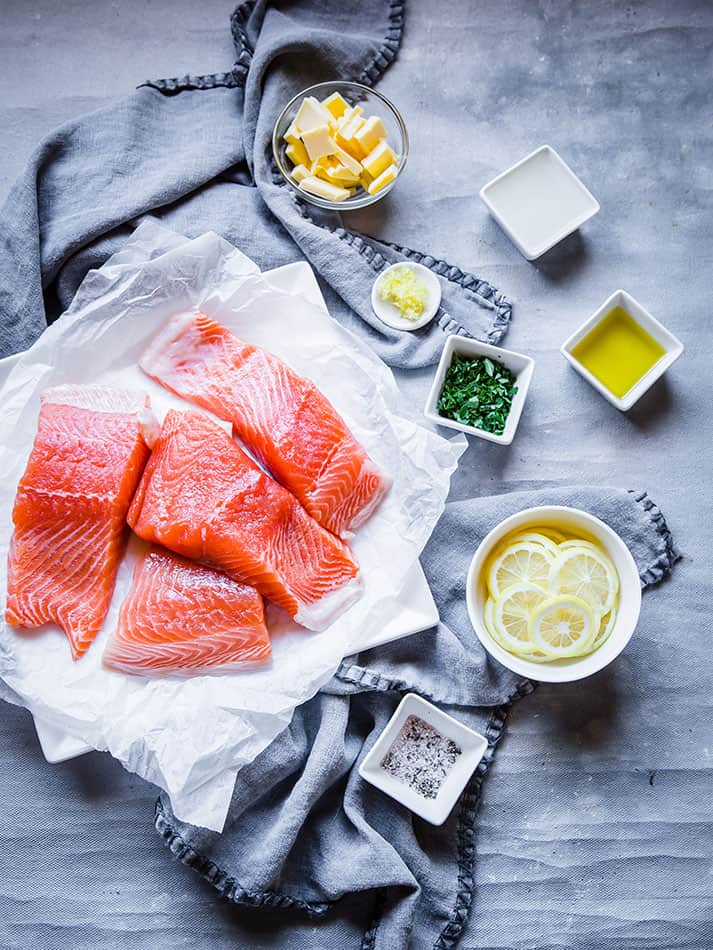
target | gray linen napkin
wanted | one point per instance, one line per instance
(186, 149)
(304, 829)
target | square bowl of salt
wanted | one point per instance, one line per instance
(423, 758)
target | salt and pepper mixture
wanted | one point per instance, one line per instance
(421, 757)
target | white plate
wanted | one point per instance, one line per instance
(389, 314)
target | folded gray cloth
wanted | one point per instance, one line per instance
(304, 829)
(185, 150)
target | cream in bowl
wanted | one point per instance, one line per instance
(553, 593)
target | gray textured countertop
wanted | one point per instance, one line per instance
(623, 91)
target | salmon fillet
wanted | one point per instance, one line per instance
(181, 617)
(204, 498)
(70, 509)
(282, 418)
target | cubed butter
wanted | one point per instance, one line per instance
(324, 189)
(292, 136)
(310, 115)
(346, 136)
(341, 175)
(299, 172)
(297, 153)
(346, 159)
(318, 142)
(370, 134)
(379, 159)
(322, 166)
(336, 105)
(384, 179)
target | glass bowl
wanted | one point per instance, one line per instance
(373, 103)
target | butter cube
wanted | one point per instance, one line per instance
(379, 159)
(299, 172)
(336, 105)
(346, 136)
(318, 142)
(341, 175)
(384, 179)
(324, 189)
(370, 134)
(322, 167)
(297, 153)
(292, 136)
(345, 158)
(310, 115)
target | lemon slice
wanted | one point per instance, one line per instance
(534, 657)
(605, 628)
(552, 533)
(522, 562)
(563, 627)
(536, 538)
(586, 573)
(578, 543)
(511, 616)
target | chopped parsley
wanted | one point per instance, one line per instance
(477, 392)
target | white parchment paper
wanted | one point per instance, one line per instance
(191, 736)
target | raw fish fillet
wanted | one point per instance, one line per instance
(181, 617)
(282, 418)
(70, 509)
(204, 498)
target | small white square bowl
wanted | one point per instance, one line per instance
(522, 368)
(538, 201)
(671, 344)
(471, 743)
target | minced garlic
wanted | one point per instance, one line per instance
(405, 290)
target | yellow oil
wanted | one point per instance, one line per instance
(618, 351)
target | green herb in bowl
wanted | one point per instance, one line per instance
(477, 392)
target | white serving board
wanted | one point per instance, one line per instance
(412, 609)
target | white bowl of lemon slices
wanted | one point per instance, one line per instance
(553, 594)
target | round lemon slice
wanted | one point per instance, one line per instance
(563, 627)
(552, 533)
(586, 573)
(511, 616)
(578, 543)
(522, 562)
(536, 538)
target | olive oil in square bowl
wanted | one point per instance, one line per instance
(622, 350)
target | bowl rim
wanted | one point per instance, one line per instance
(350, 204)
(480, 348)
(544, 672)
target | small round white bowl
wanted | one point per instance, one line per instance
(576, 522)
(389, 314)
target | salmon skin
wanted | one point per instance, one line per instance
(70, 509)
(181, 618)
(204, 498)
(285, 422)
